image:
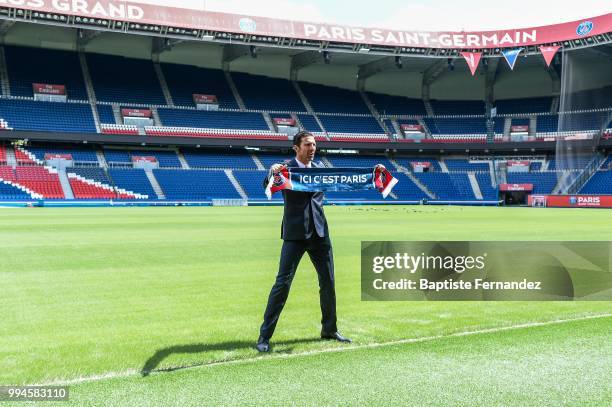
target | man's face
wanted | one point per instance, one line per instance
(306, 150)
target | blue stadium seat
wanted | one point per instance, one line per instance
(48, 116)
(543, 182)
(526, 105)
(347, 124)
(39, 65)
(447, 186)
(333, 100)
(8, 191)
(133, 180)
(472, 125)
(95, 174)
(397, 105)
(212, 119)
(252, 183)
(458, 107)
(124, 80)
(265, 93)
(185, 80)
(489, 193)
(79, 154)
(105, 113)
(309, 122)
(599, 183)
(465, 165)
(218, 159)
(195, 184)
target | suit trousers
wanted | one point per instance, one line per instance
(319, 250)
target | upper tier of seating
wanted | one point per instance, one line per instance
(457, 126)
(185, 80)
(80, 154)
(39, 65)
(47, 116)
(212, 119)
(397, 105)
(218, 159)
(265, 93)
(527, 105)
(327, 99)
(348, 124)
(452, 107)
(124, 80)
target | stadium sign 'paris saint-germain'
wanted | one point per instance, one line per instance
(247, 25)
(584, 28)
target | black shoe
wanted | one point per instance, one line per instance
(336, 336)
(263, 345)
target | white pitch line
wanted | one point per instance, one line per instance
(135, 372)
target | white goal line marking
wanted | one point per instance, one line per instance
(273, 356)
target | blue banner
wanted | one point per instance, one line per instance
(331, 179)
(511, 55)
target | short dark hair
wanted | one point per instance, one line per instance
(297, 139)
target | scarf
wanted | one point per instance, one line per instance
(331, 179)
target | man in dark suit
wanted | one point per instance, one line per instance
(304, 230)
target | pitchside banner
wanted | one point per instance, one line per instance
(486, 271)
(139, 12)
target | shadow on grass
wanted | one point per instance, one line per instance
(161, 354)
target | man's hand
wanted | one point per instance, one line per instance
(275, 168)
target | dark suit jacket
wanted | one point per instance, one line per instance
(303, 216)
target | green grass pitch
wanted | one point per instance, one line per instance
(161, 306)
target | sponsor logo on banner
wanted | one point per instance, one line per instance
(549, 52)
(516, 187)
(584, 28)
(579, 201)
(247, 25)
(49, 89)
(411, 127)
(519, 129)
(283, 121)
(136, 113)
(145, 158)
(518, 163)
(204, 99)
(52, 156)
(511, 56)
(472, 59)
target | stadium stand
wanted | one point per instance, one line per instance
(212, 119)
(458, 107)
(327, 99)
(543, 182)
(218, 159)
(264, 93)
(60, 68)
(526, 105)
(195, 184)
(124, 80)
(47, 116)
(185, 80)
(447, 186)
(397, 105)
(132, 180)
(599, 183)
